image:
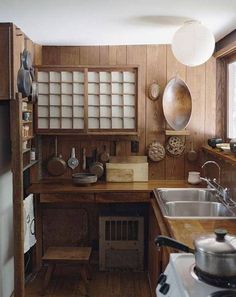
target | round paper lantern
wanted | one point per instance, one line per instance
(193, 44)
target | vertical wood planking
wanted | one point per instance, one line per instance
(51, 55)
(118, 56)
(175, 166)
(37, 54)
(18, 205)
(103, 55)
(89, 55)
(196, 81)
(156, 62)
(155, 121)
(137, 54)
(70, 55)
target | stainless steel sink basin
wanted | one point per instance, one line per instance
(188, 194)
(196, 209)
(192, 203)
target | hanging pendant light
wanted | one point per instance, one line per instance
(193, 44)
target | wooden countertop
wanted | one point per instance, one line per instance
(66, 186)
(186, 230)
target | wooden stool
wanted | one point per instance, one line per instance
(67, 255)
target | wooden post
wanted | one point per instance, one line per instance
(18, 214)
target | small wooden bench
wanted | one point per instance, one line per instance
(67, 255)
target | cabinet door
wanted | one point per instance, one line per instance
(87, 100)
(5, 61)
(154, 255)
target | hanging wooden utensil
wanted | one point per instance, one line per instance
(73, 162)
(84, 158)
(192, 154)
(96, 167)
(104, 157)
(56, 165)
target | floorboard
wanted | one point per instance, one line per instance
(103, 284)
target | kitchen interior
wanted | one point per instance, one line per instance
(118, 151)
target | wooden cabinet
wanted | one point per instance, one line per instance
(89, 100)
(157, 258)
(154, 254)
(11, 45)
(122, 197)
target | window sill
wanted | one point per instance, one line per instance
(227, 157)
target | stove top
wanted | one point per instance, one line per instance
(221, 282)
(181, 279)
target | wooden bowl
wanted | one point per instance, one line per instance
(84, 179)
(177, 104)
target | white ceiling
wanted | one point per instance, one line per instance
(93, 22)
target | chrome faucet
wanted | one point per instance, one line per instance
(223, 193)
(217, 165)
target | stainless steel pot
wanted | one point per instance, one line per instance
(215, 254)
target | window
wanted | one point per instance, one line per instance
(231, 102)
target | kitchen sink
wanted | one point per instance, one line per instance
(188, 194)
(192, 203)
(196, 209)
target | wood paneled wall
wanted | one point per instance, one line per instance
(156, 63)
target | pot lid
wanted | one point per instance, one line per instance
(218, 243)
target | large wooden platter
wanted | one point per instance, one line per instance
(177, 104)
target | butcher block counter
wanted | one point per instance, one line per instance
(187, 230)
(61, 186)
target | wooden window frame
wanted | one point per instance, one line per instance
(222, 94)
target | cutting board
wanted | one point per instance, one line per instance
(128, 159)
(126, 172)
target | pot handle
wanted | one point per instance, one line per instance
(167, 241)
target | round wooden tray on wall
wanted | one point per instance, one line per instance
(153, 91)
(177, 104)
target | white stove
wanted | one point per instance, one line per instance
(179, 280)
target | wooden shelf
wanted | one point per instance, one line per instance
(174, 132)
(26, 122)
(26, 150)
(30, 165)
(220, 154)
(27, 138)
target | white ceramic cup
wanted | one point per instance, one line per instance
(194, 177)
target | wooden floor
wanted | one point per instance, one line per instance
(103, 284)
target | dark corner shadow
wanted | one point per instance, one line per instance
(158, 20)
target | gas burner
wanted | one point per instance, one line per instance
(228, 293)
(221, 282)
